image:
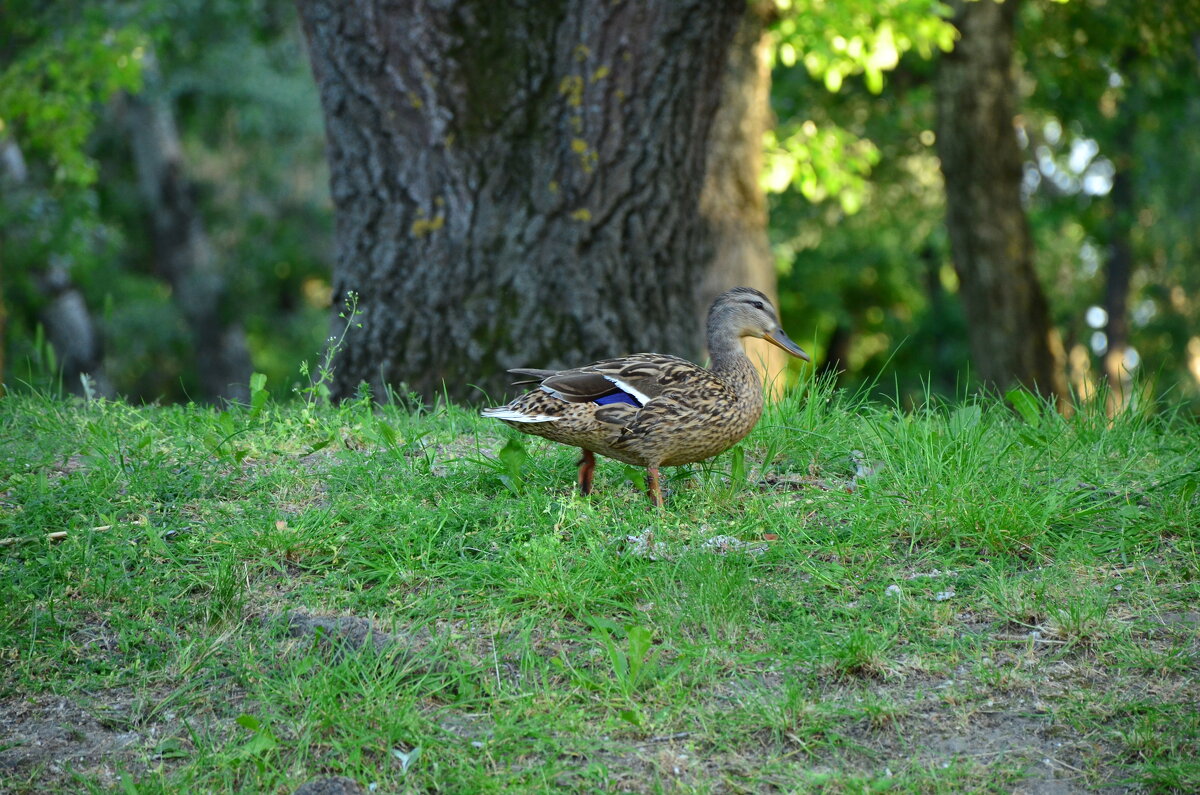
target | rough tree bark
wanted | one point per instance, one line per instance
(517, 183)
(1011, 337)
(732, 201)
(184, 253)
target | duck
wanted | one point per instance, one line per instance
(655, 410)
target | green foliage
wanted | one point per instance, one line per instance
(838, 40)
(237, 80)
(258, 394)
(1027, 405)
(60, 68)
(819, 162)
(856, 209)
(317, 388)
(835, 41)
(633, 662)
(513, 460)
(858, 240)
(1111, 95)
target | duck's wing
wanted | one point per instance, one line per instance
(573, 386)
(530, 375)
(642, 376)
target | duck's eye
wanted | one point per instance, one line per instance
(757, 304)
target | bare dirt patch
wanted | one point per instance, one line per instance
(47, 737)
(47, 740)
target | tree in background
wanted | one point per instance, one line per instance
(516, 184)
(181, 245)
(171, 243)
(50, 82)
(1107, 102)
(856, 194)
(857, 233)
(64, 315)
(519, 326)
(1111, 109)
(1013, 341)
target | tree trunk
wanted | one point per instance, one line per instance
(73, 334)
(1119, 268)
(1011, 336)
(184, 253)
(732, 201)
(943, 376)
(515, 184)
(837, 352)
(70, 328)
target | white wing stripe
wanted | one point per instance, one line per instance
(624, 387)
(512, 415)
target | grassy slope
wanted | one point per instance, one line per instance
(1042, 630)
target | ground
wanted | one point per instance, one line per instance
(854, 601)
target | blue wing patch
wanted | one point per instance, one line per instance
(618, 397)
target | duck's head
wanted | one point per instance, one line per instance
(745, 312)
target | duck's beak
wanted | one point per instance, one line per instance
(781, 340)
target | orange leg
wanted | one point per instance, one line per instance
(587, 468)
(653, 490)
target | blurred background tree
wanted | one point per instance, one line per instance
(864, 255)
(1112, 102)
(204, 228)
(1107, 102)
(857, 207)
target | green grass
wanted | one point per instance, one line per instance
(246, 599)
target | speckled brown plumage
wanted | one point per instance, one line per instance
(687, 414)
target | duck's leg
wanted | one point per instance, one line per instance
(587, 468)
(652, 488)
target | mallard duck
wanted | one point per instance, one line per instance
(653, 410)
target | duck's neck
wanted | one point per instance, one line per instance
(729, 360)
